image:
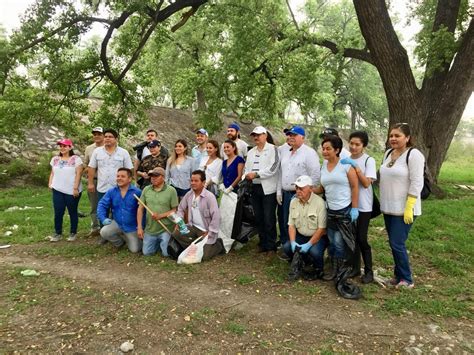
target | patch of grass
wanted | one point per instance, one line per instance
(277, 270)
(246, 279)
(235, 328)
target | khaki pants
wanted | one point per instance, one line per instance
(210, 250)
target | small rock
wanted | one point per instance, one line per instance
(433, 327)
(126, 347)
(435, 350)
(8, 233)
(187, 318)
(448, 349)
(413, 350)
(412, 339)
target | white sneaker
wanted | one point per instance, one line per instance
(55, 238)
(71, 238)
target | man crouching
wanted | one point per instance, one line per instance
(203, 217)
(307, 227)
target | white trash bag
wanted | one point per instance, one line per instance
(194, 252)
(227, 211)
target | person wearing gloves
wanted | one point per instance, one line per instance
(307, 226)
(340, 185)
(123, 228)
(232, 167)
(364, 166)
(296, 159)
(65, 183)
(211, 164)
(401, 182)
(261, 168)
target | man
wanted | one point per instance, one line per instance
(154, 160)
(123, 228)
(143, 150)
(105, 161)
(202, 215)
(261, 168)
(307, 226)
(199, 151)
(233, 133)
(296, 159)
(98, 138)
(162, 199)
(333, 132)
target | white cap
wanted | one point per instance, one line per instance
(259, 130)
(98, 129)
(303, 180)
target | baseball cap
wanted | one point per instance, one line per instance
(303, 180)
(98, 129)
(202, 131)
(234, 125)
(295, 130)
(65, 141)
(157, 171)
(258, 130)
(154, 143)
(329, 132)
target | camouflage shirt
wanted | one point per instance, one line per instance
(149, 163)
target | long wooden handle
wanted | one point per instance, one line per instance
(151, 212)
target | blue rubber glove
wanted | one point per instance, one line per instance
(305, 247)
(354, 214)
(107, 221)
(349, 161)
(293, 245)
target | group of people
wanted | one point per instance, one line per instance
(317, 206)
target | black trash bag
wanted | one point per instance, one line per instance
(296, 266)
(244, 226)
(174, 249)
(343, 286)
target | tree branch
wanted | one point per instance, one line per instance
(184, 18)
(292, 15)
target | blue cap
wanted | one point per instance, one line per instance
(202, 131)
(296, 130)
(234, 125)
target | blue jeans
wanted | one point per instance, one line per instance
(315, 253)
(337, 244)
(152, 243)
(61, 201)
(397, 235)
(284, 214)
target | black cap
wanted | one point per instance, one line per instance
(329, 132)
(154, 143)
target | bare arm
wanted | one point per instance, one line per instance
(354, 182)
(240, 171)
(139, 221)
(365, 181)
(317, 235)
(77, 180)
(90, 179)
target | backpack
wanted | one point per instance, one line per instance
(426, 190)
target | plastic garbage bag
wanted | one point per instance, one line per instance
(227, 212)
(244, 226)
(30, 272)
(296, 266)
(194, 252)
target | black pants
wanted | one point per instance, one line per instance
(265, 207)
(362, 242)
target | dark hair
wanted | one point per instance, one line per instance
(405, 129)
(202, 174)
(129, 172)
(362, 135)
(232, 143)
(111, 130)
(71, 153)
(173, 155)
(216, 145)
(335, 141)
(270, 138)
(152, 130)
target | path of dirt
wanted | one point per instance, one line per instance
(254, 319)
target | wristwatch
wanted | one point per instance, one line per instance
(257, 175)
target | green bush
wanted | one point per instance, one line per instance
(40, 174)
(18, 167)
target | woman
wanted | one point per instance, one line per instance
(65, 182)
(340, 186)
(212, 166)
(154, 160)
(261, 169)
(233, 167)
(179, 168)
(366, 172)
(401, 181)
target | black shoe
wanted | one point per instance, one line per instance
(331, 274)
(367, 278)
(281, 254)
(315, 274)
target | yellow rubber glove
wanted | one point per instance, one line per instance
(408, 214)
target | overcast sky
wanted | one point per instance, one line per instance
(11, 10)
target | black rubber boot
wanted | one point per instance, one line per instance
(332, 273)
(355, 262)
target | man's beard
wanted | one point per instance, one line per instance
(232, 137)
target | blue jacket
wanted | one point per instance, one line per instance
(124, 210)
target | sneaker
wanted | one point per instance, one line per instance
(393, 282)
(72, 237)
(55, 238)
(281, 254)
(367, 278)
(404, 284)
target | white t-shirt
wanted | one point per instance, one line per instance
(213, 171)
(242, 148)
(196, 214)
(401, 180)
(64, 174)
(369, 170)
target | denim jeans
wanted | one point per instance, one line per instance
(337, 244)
(315, 253)
(284, 214)
(117, 237)
(152, 243)
(61, 201)
(265, 216)
(397, 236)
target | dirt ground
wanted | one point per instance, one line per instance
(94, 304)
